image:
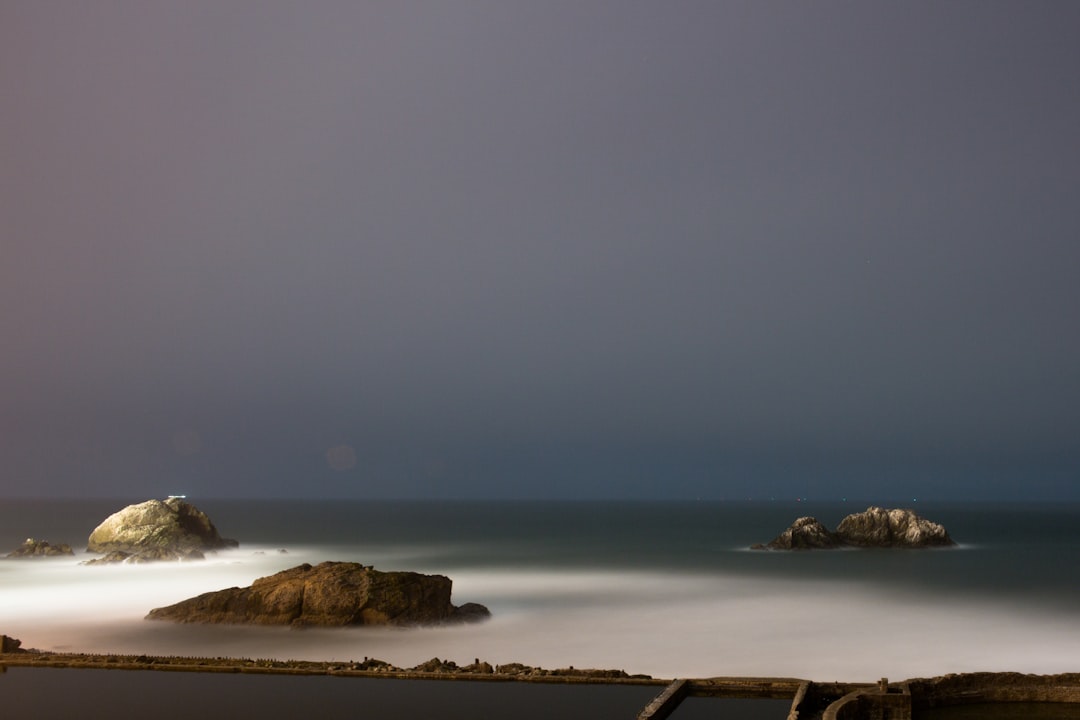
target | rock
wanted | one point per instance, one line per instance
(109, 558)
(877, 527)
(805, 533)
(40, 548)
(328, 594)
(157, 530)
(880, 527)
(471, 612)
(478, 667)
(435, 665)
(10, 645)
(115, 557)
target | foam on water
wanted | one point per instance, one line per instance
(663, 624)
(584, 586)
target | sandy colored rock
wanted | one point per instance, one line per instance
(881, 527)
(328, 594)
(876, 527)
(157, 530)
(40, 548)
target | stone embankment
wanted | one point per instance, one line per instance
(809, 700)
(367, 667)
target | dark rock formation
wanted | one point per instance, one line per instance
(880, 527)
(40, 548)
(804, 534)
(156, 530)
(876, 527)
(328, 594)
(10, 645)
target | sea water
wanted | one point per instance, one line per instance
(665, 589)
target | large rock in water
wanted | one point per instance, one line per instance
(329, 594)
(804, 534)
(157, 530)
(880, 527)
(877, 527)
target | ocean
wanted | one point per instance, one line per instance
(668, 589)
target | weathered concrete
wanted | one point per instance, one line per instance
(665, 703)
(880, 702)
(970, 688)
(797, 701)
(809, 700)
(749, 687)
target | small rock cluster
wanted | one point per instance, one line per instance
(876, 527)
(40, 548)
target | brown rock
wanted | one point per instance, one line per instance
(40, 548)
(10, 645)
(804, 534)
(328, 594)
(880, 527)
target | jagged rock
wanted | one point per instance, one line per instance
(156, 530)
(805, 533)
(877, 527)
(478, 667)
(330, 594)
(881, 527)
(435, 665)
(40, 548)
(515, 668)
(10, 645)
(109, 558)
(147, 556)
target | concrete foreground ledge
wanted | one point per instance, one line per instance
(809, 700)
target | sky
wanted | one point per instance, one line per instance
(560, 249)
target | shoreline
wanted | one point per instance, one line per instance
(811, 700)
(433, 669)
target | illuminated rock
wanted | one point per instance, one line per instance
(881, 527)
(157, 530)
(876, 527)
(40, 548)
(328, 594)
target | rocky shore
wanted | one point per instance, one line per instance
(16, 656)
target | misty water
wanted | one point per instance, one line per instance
(665, 589)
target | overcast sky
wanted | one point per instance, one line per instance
(567, 248)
